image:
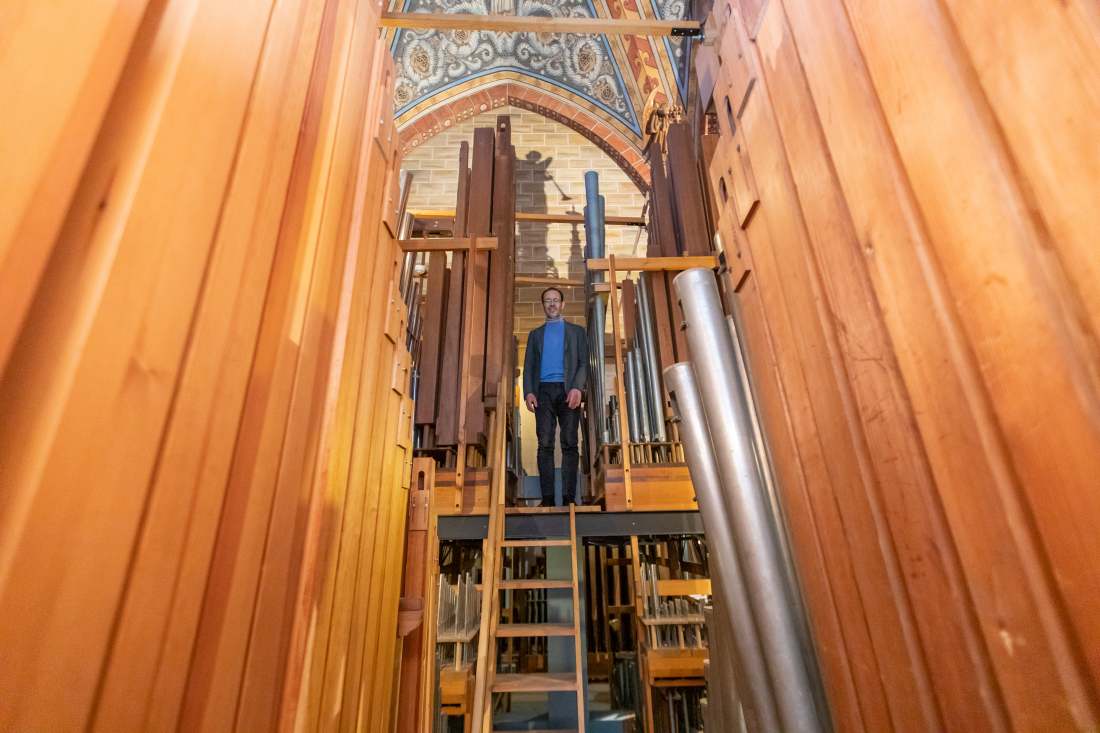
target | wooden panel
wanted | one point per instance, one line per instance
(481, 188)
(450, 370)
(656, 488)
(687, 193)
(46, 137)
(474, 498)
(432, 339)
(499, 318)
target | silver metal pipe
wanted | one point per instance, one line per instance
(726, 408)
(640, 405)
(729, 590)
(656, 392)
(631, 406)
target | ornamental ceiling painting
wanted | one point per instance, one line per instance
(610, 76)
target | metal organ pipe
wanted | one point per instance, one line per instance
(752, 675)
(657, 417)
(726, 409)
(594, 232)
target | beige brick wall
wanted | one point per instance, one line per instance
(550, 167)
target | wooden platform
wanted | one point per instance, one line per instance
(656, 487)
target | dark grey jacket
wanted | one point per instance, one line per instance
(575, 351)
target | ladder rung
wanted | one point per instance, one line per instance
(529, 584)
(536, 543)
(555, 629)
(541, 682)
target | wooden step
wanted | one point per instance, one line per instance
(549, 509)
(536, 543)
(530, 584)
(504, 630)
(542, 682)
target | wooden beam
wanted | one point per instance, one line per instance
(550, 281)
(635, 221)
(675, 264)
(539, 24)
(441, 244)
(564, 218)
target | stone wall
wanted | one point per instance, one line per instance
(550, 167)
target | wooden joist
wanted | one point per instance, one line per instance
(447, 244)
(673, 264)
(539, 24)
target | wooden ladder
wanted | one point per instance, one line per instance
(543, 681)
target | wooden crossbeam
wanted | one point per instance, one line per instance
(675, 264)
(550, 281)
(441, 244)
(632, 221)
(539, 24)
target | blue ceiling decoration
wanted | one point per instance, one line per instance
(430, 62)
(678, 48)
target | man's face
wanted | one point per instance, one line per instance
(551, 303)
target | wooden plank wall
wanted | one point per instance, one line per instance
(201, 502)
(910, 207)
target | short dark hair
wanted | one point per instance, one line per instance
(544, 292)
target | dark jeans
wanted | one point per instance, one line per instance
(553, 407)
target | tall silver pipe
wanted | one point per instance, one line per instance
(595, 236)
(726, 410)
(657, 420)
(687, 408)
(640, 401)
(631, 406)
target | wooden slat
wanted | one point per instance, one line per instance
(672, 264)
(472, 421)
(442, 244)
(525, 630)
(502, 289)
(432, 338)
(636, 221)
(550, 281)
(48, 137)
(538, 24)
(534, 584)
(687, 193)
(446, 427)
(553, 682)
(620, 388)
(697, 587)
(536, 543)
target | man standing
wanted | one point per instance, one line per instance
(555, 370)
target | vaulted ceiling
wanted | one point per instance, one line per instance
(609, 77)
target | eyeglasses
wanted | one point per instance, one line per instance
(548, 301)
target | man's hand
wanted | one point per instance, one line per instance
(574, 399)
(532, 403)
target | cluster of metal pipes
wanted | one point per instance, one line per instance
(641, 372)
(459, 607)
(753, 596)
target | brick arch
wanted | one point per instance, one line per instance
(617, 146)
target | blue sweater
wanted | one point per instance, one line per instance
(553, 356)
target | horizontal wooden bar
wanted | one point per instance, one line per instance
(539, 24)
(521, 630)
(635, 221)
(440, 244)
(694, 587)
(623, 264)
(550, 281)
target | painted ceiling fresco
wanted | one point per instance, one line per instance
(612, 75)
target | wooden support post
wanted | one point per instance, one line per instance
(481, 191)
(624, 428)
(502, 278)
